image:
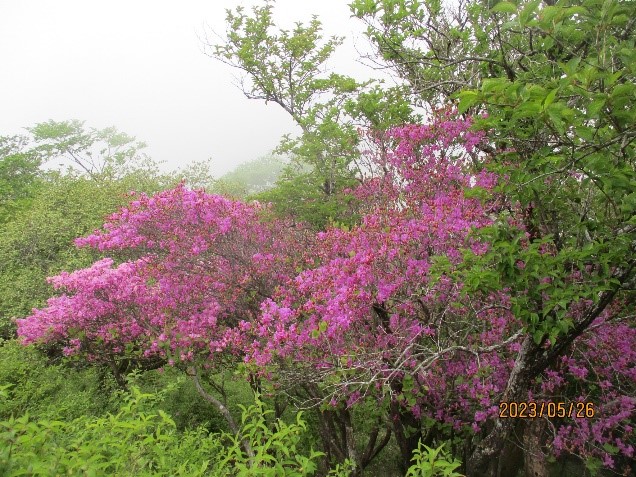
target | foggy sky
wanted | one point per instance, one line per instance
(139, 65)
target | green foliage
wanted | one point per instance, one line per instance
(132, 442)
(275, 447)
(433, 462)
(297, 195)
(140, 440)
(197, 175)
(556, 80)
(284, 67)
(288, 68)
(45, 212)
(250, 178)
(32, 385)
(422, 40)
(381, 108)
(342, 470)
(553, 85)
(566, 118)
(183, 402)
(99, 153)
(19, 170)
(39, 242)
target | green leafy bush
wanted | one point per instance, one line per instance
(184, 403)
(140, 440)
(133, 442)
(38, 242)
(433, 462)
(274, 447)
(59, 392)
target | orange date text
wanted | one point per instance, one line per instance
(532, 409)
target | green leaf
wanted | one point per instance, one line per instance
(466, 100)
(504, 7)
(549, 99)
(555, 117)
(610, 449)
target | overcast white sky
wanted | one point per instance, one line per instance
(138, 65)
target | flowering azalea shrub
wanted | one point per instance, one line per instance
(377, 303)
(387, 313)
(198, 267)
(382, 315)
(601, 370)
(398, 310)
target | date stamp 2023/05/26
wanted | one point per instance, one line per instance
(532, 409)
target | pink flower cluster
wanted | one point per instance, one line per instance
(375, 310)
(198, 266)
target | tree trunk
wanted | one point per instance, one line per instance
(407, 443)
(486, 460)
(225, 412)
(535, 464)
(350, 442)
